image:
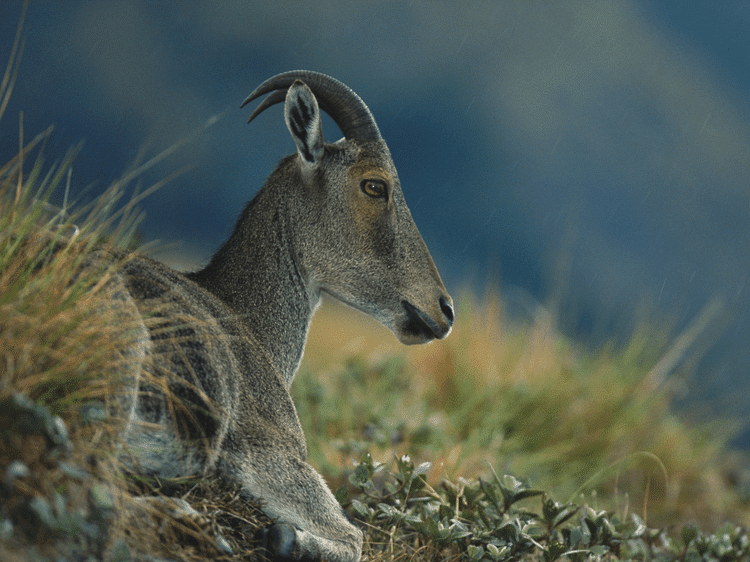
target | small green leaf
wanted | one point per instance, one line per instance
(512, 483)
(389, 511)
(640, 526)
(489, 492)
(527, 493)
(509, 531)
(431, 527)
(577, 536)
(342, 495)
(604, 528)
(599, 550)
(445, 511)
(554, 551)
(563, 516)
(550, 509)
(360, 475)
(362, 510)
(689, 533)
(475, 552)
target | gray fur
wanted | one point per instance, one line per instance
(227, 340)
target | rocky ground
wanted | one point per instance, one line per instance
(62, 500)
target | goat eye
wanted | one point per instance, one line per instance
(373, 188)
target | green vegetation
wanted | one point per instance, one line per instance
(525, 400)
(505, 519)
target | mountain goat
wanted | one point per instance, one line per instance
(223, 344)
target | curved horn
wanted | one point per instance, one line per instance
(346, 108)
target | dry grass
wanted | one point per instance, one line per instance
(65, 332)
(519, 397)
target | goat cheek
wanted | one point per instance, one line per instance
(384, 242)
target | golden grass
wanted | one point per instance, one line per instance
(519, 397)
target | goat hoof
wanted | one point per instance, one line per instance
(280, 540)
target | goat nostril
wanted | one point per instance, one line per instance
(447, 309)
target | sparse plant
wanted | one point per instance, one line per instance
(504, 518)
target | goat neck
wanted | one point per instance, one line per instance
(258, 275)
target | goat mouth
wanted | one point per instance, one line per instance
(420, 325)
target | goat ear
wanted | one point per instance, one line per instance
(302, 117)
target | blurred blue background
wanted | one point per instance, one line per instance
(594, 155)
